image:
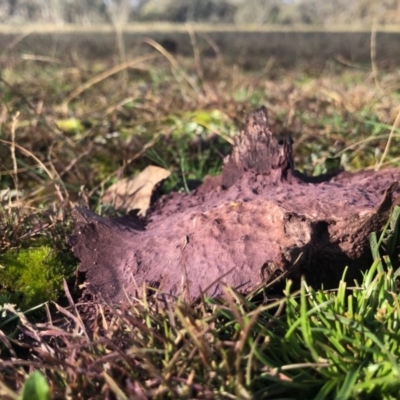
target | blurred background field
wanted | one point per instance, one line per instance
(248, 46)
(248, 33)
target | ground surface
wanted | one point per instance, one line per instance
(70, 127)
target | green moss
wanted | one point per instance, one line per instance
(34, 275)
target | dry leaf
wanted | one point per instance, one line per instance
(135, 193)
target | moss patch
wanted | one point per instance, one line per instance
(34, 275)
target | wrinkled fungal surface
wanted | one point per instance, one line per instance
(258, 219)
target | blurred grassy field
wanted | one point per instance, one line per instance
(248, 46)
(75, 118)
(166, 27)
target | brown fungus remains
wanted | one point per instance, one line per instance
(258, 219)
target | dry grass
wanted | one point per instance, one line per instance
(69, 128)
